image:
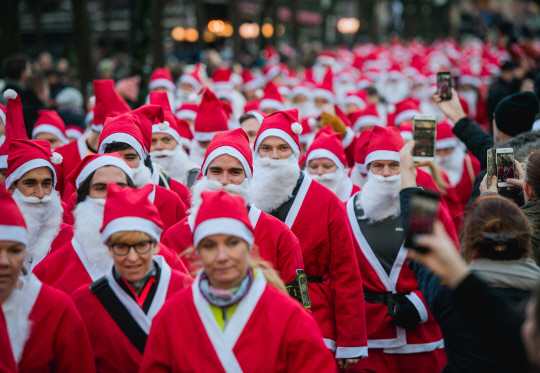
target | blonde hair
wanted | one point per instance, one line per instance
(132, 236)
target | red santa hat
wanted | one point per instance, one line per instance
(466, 76)
(92, 162)
(3, 113)
(48, 121)
(128, 209)
(367, 117)
(133, 128)
(108, 103)
(326, 89)
(14, 124)
(222, 79)
(301, 89)
(284, 90)
(445, 137)
(270, 72)
(364, 82)
(234, 143)
(222, 213)
(161, 77)
(307, 133)
(270, 56)
(360, 151)
(250, 82)
(406, 131)
(187, 111)
(185, 132)
(169, 125)
(89, 117)
(12, 224)
(211, 118)
(384, 145)
(272, 98)
(357, 98)
(283, 124)
(252, 105)
(405, 110)
(74, 132)
(326, 58)
(27, 155)
(328, 146)
(395, 73)
(193, 78)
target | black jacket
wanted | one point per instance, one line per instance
(475, 138)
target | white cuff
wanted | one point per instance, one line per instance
(420, 307)
(351, 352)
(330, 344)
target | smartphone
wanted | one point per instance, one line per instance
(423, 208)
(444, 85)
(505, 166)
(491, 169)
(424, 135)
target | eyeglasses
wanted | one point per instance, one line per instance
(122, 249)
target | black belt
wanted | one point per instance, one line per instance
(382, 298)
(315, 279)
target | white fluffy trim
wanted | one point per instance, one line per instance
(259, 93)
(296, 128)
(193, 97)
(92, 101)
(312, 121)
(10, 94)
(163, 126)
(56, 158)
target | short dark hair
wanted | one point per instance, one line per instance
(14, 66)
(35, 83)
(116, 146)
(84, 189)
(245, 117)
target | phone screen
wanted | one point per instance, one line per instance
(424, 137)
(444, 85)
(505, 166)
(423, 209)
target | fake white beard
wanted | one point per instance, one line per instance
(174, 162)
(43, 218)
(186, 96)
(196, 153)
(357, 177)
(471, 96)
(336, 181)
(88, 216)
(142, 175)
(395, 92)
(380, 197)
(306, 109)
(428, 108)
(453, 164)
(273, 181)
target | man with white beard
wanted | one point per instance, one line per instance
(326, 163)
(31, 179)
(317, 217)
(395, 88)
(302, 99)
(393, 335)
(166, 149)
(228, 166)
(86, 258)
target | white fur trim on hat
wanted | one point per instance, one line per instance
(131, 223)
(28, 166)
(126, 138)
(382, 155)
(446, 143)
(325, 153)
(326, 60)
(406, 135)
(161, 83)
(268, 103)
(50, 129)
(535, 127)
(10, 94)
(205, 136)
(222, 226)
(367, 120)
(229, 150)
(56, 158)
(186, 114)
(301, 90)
(3, 116)
(156, 128)
(353, 99)
(189, 79)
(3, 161)
(469, 79)
(97, 127)
(312, 121)
(360, 167)
(281, 134)
(13, 233)
(296, 128)
(405, 115)
(349, 137)
(73, 133)
(252, 84)
(228, 86)
(102, 162)
(272, 73)
(257, 115)
(325, 94)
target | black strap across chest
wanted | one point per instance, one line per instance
(121, 316)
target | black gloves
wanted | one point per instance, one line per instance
(404, 314)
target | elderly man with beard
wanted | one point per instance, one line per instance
(317, 217)
(405, 338)
(31, 179)
(228, 166)
(326, 163)
(86, 258)
(166, 149)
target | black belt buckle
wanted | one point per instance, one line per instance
(298, 289)
(393, 308)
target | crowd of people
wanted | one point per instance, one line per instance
(255, 220)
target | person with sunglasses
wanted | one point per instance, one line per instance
(118, 309)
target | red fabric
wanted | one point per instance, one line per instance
(22, 151)
(271, 93)
(50, 117)
(11, 215)
(465, 185)
(210, 114)
(455, 208)
(387, 139)
(113, 351)
(58, 341)
(7, 361)
(332, 143)
(221, 75)
(379, 362)
(73, 175)
(64, 236)
(162, 99)
(71, 157)
(183, 191)
(236, 139)
(361, 146)
(281, 120)
(179, 343)
(108, 102)
(14, 126)
(327, 83)
(161, 73)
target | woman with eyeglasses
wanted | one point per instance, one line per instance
(118, 309)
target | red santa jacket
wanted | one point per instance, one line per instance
(192, 341)
(427, 335)
(317, 217)
(274, 240)
(58, 341)
(7, 360)
(72, 154)
(455, 208)
(68, 268)
(471, 169)
(113, 351)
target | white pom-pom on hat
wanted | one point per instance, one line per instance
(163, 126)
(296, 128)
(312, 121)
(56, 158)
(259, 93)
(193, 97)
(10, 94)
(92, 101)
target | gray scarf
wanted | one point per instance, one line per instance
(521, 274)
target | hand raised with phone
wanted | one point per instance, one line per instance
(451, 108)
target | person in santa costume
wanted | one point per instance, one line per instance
(166, 149)
(250, 123)
(358, 174)
(326, 163)
(15, 129)
(7, 359)
(228, 166)
(301, 98)
(272, 100)
(3, 111)
(85, 258)
(317, 217)
(31, 178)
(191, 83)
(108, 103)
(130, 135)
(161, 81)
(324, 93)
(46, 333)
(225, 315)
(211, 119)
(118, 309)
(410, 334)
(50, 127)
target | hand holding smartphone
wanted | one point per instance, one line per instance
(423, 208)
(444, 85)
(424, 136)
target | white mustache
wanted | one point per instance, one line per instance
(162, 153)
(33, 199)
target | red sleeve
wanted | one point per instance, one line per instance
(7, 361)
(289, 255)
(157, 355)
(172, 259)
(182, 191)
